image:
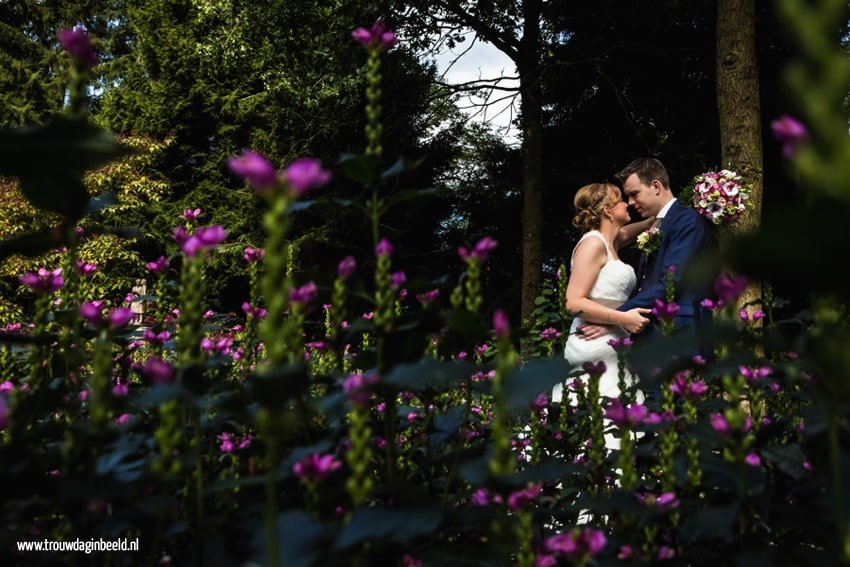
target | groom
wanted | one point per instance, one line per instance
(684, 234)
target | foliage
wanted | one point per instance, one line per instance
(413, 432)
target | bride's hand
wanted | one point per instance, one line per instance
(590, 331)
(635, 319)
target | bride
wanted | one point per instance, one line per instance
(600, 281)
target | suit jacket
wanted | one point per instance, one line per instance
(684, 234)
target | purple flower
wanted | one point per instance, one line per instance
(77, 44)
(159, 266)
(621, 343)
(397, 279)
(253, 254)
(157, 371)
(85, 268)
(667, 501)
(356, 389)
(384, 248)
(346, 267)
(305, 174)
(226, 445)
(719, 424)
(155, 339)
(4, 413)
(204, 237)
(304, 294)
(119, 317)
(191, 214)
(43, 281)
(253, 167)
(597, 369)
(428, 296)
(120, 390)
(576, 544)
(753, 460)
(666, 552)
(665, 311)
(729, 288)
(790, 132)
(520, 498)
(752, 374)
(501, 325)
(255, 312)
(480, 252)
(315, 467)
(549, 334)
(681, 386)
(375, 38)
(628, 416)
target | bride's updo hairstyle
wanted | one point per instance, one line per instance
(589, 203)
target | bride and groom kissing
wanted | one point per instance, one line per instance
(607, 298)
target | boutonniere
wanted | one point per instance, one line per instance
(649, 240)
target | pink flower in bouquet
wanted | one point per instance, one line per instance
(720, 196)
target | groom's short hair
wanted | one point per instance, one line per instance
(647, 169)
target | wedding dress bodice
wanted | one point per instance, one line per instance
(616, 279)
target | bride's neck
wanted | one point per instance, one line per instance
(609, 230)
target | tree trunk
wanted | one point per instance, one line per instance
(739, 109)
(532, 162)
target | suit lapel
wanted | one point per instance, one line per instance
(648, 266)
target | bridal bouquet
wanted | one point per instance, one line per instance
(720, 196)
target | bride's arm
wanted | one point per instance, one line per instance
(629, 232)
(589, 258)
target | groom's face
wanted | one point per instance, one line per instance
(641, 197)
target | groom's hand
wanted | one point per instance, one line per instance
(590, 331)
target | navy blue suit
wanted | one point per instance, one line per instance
(684, 234)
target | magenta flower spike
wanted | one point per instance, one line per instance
(191, 214)
(4, 413)
(159, 266)
(427, 297)
(384, 248)
(255, 168)
(397, 279)
(303, 295)
(790, 132)
(520, 498)
(483, 248)
(77, 44)
(43, 281)
(315, 467)
(501, 325)
(346, 268)
(729, 288)
(120, 317)
(157, 371)
(253, 254)
(92, 312)
(597, 369)
(305, 174)
(377, 37)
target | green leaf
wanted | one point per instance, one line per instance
(64, 145)
(56, 192)
(360, 168)
(274, 385)
(32, 244)
(402, 165)
(787, 458)
(408, 195)
(428, 374)
(524, 383)
(399, 526)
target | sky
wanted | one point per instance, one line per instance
(483, 61)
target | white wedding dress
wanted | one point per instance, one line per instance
(614, 285)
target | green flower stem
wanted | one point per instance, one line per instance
(596, 454)
(374, 128)
(269, 426)
(502, 463)
(669, 442)
(694, 473)
(628, 478)
(167, 437)
(276, 281)
(38, 353)
(359, 485)
(525, 538)
(837, 483)
(190, 322)
(101, 378)
(473, 285)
